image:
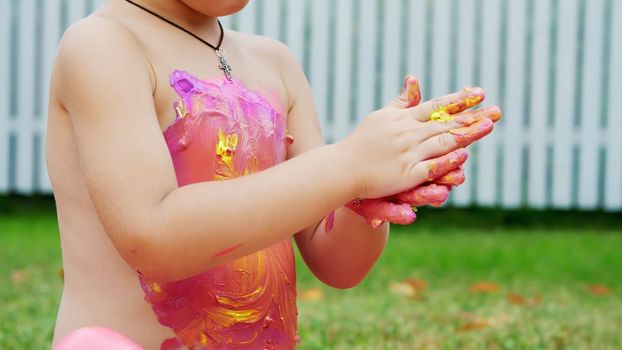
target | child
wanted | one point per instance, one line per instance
(183, 165)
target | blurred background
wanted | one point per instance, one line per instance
(527, 253)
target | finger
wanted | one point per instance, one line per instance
(424, 195)
(463, 119)
(471, 117)
(376, 211)
(440, 166)
(453, 178)
(442, 108)
(455, 138)
(410, 95)
(428, 170)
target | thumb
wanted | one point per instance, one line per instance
(410, 95)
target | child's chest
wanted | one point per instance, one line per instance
(259, 76)
(222, 129)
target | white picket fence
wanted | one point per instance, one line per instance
(554, 66)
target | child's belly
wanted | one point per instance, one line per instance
(123, 312)
(247, 303)
(100, 288)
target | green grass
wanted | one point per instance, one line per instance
(552, 256)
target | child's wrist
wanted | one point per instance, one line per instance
(346, 158)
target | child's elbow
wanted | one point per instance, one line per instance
(150, 262)
(143, 251)
(158, 261)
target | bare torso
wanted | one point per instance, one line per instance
(100, 288)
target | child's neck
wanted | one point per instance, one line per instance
(180, 13)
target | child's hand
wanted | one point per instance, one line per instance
(391, 150)
(397, 208)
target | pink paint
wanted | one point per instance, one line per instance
(330, 222)
(378, 210)
(424, 195)
(224, 130)
(95, 338)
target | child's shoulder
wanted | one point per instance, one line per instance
(97, 32)
(91, 51)
(266, 48)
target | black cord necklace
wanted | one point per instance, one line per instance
(226, 67)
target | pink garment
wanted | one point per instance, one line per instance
(224, 130)
(95, 338)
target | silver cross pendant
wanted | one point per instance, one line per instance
(226, 67)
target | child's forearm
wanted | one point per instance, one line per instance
(202, 225)
(343, 256)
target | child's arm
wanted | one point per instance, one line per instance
(342, 256)
(163, 231)
(105, 84)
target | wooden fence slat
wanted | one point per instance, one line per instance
(343, 84)
(26, 91)
(295, 28)
(591, 105)
(225, 21)
(98, 3)
(515, 80)
(465, 61)
(539, 105)
(487, 149)
(272, 18)
(51, 36)
(450, 35)
(441, 49)
(392, 31)
(366, 42)
(415, 31)
(319, 61)
(5, 88)
(247, 18)
(613, 174)
(76, 10)
(564, 107)
(439, 79)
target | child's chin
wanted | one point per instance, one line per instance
(217, 8)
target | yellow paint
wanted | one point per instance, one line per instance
(227, 318)
(240, 300)
(180, 109)
(441, 115)
(226, 146)
(203, 339)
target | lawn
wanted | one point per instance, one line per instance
(457, 279)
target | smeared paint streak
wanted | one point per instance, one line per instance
(469, 134)
(423, 195)
(452, 178)
(227, 250)
(467, 118)
(330, 222)
(440, 166)
(412, 91)
(377, 211)
(224, 130)
(449, 105)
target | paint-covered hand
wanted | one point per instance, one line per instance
(391, 151)
(444, 172)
